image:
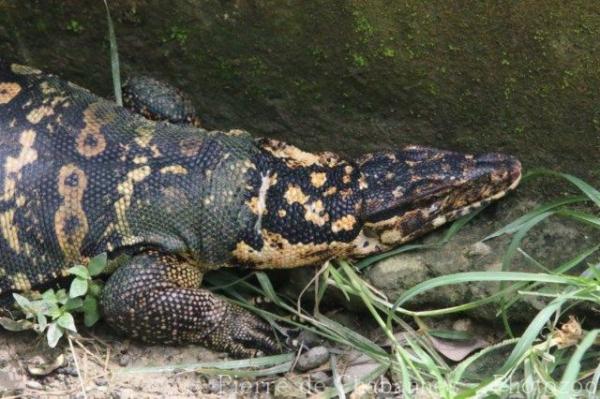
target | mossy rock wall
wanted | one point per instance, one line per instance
(350, 76)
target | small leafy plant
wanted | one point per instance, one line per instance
(74, 26)
(51, 313)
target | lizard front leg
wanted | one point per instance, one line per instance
(157, 299)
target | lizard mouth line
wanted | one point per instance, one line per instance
(449, 216)
(418, 220)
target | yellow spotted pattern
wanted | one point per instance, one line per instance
(126, 190)
(90, 141)
(8, 91)
(70, 221)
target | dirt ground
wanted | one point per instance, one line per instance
(106, 364)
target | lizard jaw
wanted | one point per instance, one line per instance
(487, 178)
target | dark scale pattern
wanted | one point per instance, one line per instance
(297, 227)
(158, 101)
(158, 299)
(80, 176)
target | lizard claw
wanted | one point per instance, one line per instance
(243, 334)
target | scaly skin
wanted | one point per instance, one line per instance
(81, 176)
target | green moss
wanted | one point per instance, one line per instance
(359, 60)
(511, 76)
(363, 26)
(178, 35)
(388, 52)
(73, 26)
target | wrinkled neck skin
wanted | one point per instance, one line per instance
(308, 208)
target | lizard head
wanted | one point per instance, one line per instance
(409, 192)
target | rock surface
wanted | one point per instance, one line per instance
(313, 358)
(348, 76)
(551, 243)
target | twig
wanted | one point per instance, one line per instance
(77, 367)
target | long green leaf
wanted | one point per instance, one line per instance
(515, 225)
(595, 380)
(509, 254)
(590, 219)
(518, 237)
(379, 257)
(588, 190)
(114, 57)
(267, 287)
(563, 268)
(531, 333)
(459, 278)
(237, 365)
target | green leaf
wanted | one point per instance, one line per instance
(452, 335)
(78, 287)
(49, 296)
(67, 322)
(582, 217)
(588, 190)
(24, 303)
(465, 277)
(41, 321)
(267, 287)
(89, 303)
(80, 271)
(15, 325)
(61, 296)
(531, 333)
(546, 208)
(54, 312)
(73, 304)
(89, 319)
(97, 264)
(95, 288)
(42, 306)
(222, 366)
(54, 334)
(91, 311)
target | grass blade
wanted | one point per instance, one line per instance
(570, 376)
(459, 278)
(267, 287)
(379, 257)
(581, 217)
(114, 57)
(563, 268)
(266, 361)
(337, 378)
(530, 334)
(595, 380)
(588, 190)
(516, 224)
(459, 371)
